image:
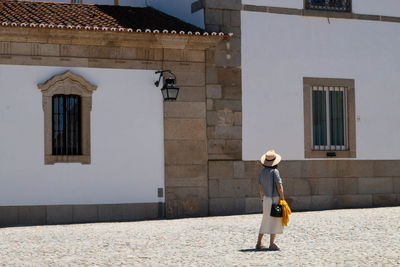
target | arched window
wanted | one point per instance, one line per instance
(66, 126)
(67, 102)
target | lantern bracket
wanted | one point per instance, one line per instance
(161, 72)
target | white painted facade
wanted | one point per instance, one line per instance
(127, 140)
(371, 7)
(279, 50)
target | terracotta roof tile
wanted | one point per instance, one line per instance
(118, 18)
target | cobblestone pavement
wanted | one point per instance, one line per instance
(361, 237)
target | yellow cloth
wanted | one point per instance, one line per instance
(285, 213)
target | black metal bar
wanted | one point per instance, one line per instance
(329, 5)
(79, 122)
(64, 121)
(66, 125)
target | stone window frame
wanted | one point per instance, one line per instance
(67, 83)
(308, 83)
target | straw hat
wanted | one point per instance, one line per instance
(270, 158)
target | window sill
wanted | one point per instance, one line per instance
(329, 13)
(323, 154)
(51, 159)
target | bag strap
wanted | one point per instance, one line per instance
(273, 184)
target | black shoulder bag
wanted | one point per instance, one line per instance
(276, 209)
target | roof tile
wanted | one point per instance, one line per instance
(118, 17)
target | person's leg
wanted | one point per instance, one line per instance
(271, 239)
(272, 245)
(260, 236)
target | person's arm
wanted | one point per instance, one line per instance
(280, 191)
(278, 182)
(261, 193)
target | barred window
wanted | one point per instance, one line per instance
(67, 102)
(329, 5)
(329, 118)
(66, 125)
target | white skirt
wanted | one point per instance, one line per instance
(270, 225)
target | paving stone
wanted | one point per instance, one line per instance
(338, 238)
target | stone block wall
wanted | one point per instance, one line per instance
(233, 187)
(186, 186)
(223, 81)
(308, 185)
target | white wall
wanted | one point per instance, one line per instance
(289, 48)
(375, 7)
(126, 138)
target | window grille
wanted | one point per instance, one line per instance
(66, 125)
(329, 118)
(329, 5)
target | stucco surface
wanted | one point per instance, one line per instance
(126, 137)
(370, 7)
(292, 47)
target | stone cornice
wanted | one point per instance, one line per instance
(110, 39)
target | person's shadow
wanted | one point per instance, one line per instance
(257, 250)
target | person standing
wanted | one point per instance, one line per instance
(271, 191)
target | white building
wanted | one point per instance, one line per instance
(316, 80)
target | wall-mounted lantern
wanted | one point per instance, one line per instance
(169, 89)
